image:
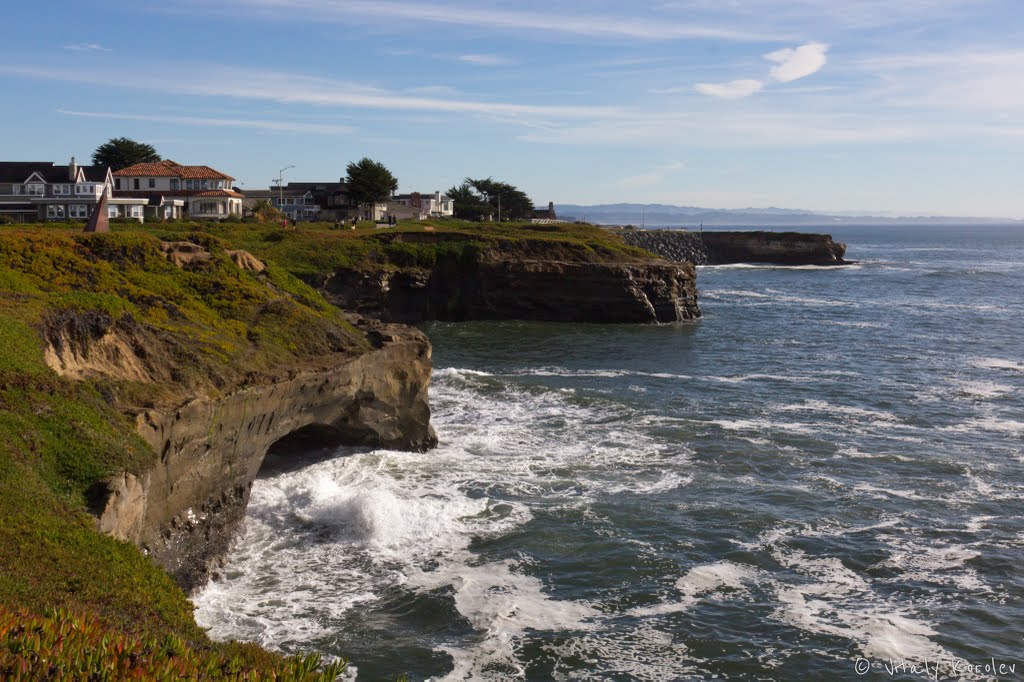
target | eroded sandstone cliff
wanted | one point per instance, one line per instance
(185, 509)
(524, 289)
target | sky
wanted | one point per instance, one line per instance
(907, 107)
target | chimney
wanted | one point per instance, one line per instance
(72, 170)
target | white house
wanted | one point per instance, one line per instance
(169, 187)
(434, 205)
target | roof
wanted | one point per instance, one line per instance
(215, 193)
(171, 169)
(19, 171)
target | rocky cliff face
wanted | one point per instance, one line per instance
(185, 509)
(524, 289)
(720, 248)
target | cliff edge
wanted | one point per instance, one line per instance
(726, 247)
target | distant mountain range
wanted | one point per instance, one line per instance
(663, 215)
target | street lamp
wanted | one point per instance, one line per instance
(280, 186)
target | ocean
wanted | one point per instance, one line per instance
(822, 477)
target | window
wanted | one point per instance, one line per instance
(206, 184)
(117, 183)
(175, 184)
(85, 189)
(220, 184)
(55, 211)
(136, 211)
(78, 211)
(59, 190)
(35, 189)
(17, 189)
(208, 207)
(136, 183)
(168, 212)
(112, 212)
(152, 183)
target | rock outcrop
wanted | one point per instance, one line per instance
(505, 289)
(186, 508)
(721, 247)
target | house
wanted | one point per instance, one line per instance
(42, 191)
(328, 201)
(402, 211)
(435, 205)
(173, 190)
(542, 215)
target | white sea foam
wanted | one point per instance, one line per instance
(834, 600)
(998, 364)
(826, 408)
(700, 582)
(982, 390)
(380, 521)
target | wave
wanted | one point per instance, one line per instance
(998, 364)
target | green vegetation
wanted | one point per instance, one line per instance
(121, 152)
(197, 329)
(369, 181)
(314, 250)
(202, 328)
(63, 646)
(477, 199)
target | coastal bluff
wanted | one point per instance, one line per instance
(513, 281)
(727, 247)
(186, 508)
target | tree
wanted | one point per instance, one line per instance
(468, 204)
(477, 199)
(266, 212)
(121, 152)
(369, 182)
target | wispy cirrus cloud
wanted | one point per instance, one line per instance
(484, 59)
(732, 90)
(580, 23)
(87, 47)
(259, 124)
(655, 176)
(796, 63)
(295, 88)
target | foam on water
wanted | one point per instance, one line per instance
(817, 470)
(999, 364)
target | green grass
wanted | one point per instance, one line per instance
(201, 330)
(314, 250)
(207, 328)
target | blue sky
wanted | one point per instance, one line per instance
(902, 106)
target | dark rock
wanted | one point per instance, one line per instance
(505, 289)
(722, 248)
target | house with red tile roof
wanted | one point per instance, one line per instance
(174, 189)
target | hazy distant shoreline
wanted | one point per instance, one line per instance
(661, 215)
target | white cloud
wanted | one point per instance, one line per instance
(731, 90)
(285, 126)
(484, 59)
(87, 47)
(655, 176)
(797, 63)
(293, 88)
(583, 23)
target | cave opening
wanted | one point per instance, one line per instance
(301, 448)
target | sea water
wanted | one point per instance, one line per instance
(823, 473)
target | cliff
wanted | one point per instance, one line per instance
(721, 248)
(504, 289)
(184, 510)
(142, 382)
